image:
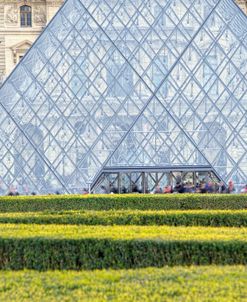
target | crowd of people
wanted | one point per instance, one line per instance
(202, 187)
(16, 193)
(179, 187)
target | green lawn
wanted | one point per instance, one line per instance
(199, 284)
(166, 233)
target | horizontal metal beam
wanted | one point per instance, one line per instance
(189, 168)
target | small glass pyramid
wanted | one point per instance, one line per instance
(127, 83)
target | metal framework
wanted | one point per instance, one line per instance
(130, 84)
(146, 179)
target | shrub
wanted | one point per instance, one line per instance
(128, 201)
(46, 254)
(96, 247)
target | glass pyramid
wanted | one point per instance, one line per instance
(127, 83)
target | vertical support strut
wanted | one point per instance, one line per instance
(119, 182)
(143, 183)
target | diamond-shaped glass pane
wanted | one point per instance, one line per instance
(127, 83)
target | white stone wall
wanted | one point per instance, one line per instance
(243, 5)
(16, 40)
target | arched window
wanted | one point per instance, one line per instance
(26, 16)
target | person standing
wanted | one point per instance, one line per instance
(230, 186)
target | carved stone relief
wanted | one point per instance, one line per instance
(22, 2)
(39, 15)
(54, 3)
(11, 14)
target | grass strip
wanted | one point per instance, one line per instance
(128, 201)
(163, 233)
(230, 218)
(44, 247)
(171, 284)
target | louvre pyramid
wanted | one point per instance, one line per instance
(127, 83)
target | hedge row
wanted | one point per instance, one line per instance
(46, 254)
(170, 284)
(128, 201)
(232, 218)
(127, 232)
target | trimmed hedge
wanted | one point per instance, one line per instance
(46, 254)
(65, 246)
(232, 218)
(128, 201)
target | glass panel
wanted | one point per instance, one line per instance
(126, 83)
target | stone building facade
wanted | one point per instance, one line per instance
(243, 5)
(21, 22)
